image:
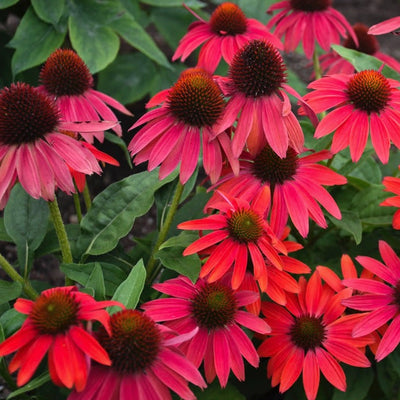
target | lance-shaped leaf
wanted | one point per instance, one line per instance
(114, 210)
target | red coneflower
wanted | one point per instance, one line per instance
(365, 102)
(215, 310)
(146, 362)
(55, 326)
(310, 336)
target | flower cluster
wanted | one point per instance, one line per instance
(224, 291)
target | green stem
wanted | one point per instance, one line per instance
(86, 197)
(61, 235)
(7, 376)
(77, 204)
(317, 65)
(151, 265)
(15, 276)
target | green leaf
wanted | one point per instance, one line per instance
(50, 14)
(9, 291)
(96, 281)
(111, 137)
(137, 37)
(81, 273)
(25, 220)
(171, 255)
(363, 61)
(4, 236)
(33, 384)
(11, 321)
(172, 23)
(173, 3)
(351, 223)
(359, 380)
(114, 210)
(214, 391)
(129, 291)
(33, 33)
(7, 3)
(128, 78)
(96, 45)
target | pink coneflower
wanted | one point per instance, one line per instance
(239, 230)
(386, 26)
(333, 63)
(66, 78)
(146, 362)
(380, 299)
(310, 336)
(295, 183)
(34, 148)
(222, 36)
(262, 109)
(309, 21)
(55, 326)
(185, 121)
(392, 184)
(215, 309)
(365, 102)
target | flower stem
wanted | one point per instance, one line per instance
(86, 197)
(77, 205)
(164, 229)
(15, 276)
(61, 235)
(317, 65)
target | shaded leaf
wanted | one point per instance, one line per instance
(33, 33)
(23, 220)
(33, 384)
(11, 321)
(137, 37)
(351, 223)
(7, 3)
(50, 14)
(128, 78)
(174, 3)
(9, 291)
(96, 45)
(96, 281)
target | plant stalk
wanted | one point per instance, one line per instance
(164, 229)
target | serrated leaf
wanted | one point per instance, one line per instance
(128, 78)
(33, 33)
(50, 14)
(114, 210)
(96, 45)
(7, 3)
(351, 223)
(129, 291)
(9, 291)
(137, 37)
(363, 61)
(25, 220)
(33, 384)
